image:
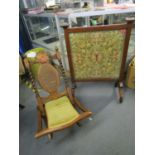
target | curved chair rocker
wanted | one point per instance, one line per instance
(57, 110)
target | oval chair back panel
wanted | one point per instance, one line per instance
(48, 78)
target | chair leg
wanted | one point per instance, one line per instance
(90, 118)
(50, 136)
(73, 91)
(39, 121)
(120, 89)
(79, 124)
(74, 86)
(121, 99)
(116, 84)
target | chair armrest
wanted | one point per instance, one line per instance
(46, 131)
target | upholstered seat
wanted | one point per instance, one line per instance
(60, 112)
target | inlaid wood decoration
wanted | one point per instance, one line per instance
(98, 53)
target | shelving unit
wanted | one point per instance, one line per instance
(45, 30)
(105, 12)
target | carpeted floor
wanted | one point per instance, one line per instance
(110, 132)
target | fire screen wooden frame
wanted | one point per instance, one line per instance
(98, 53)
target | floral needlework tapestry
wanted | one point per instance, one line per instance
(97, 54)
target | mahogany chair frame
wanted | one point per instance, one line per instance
(119, 82)
(54, 94)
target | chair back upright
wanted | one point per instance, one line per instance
(48, 78)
